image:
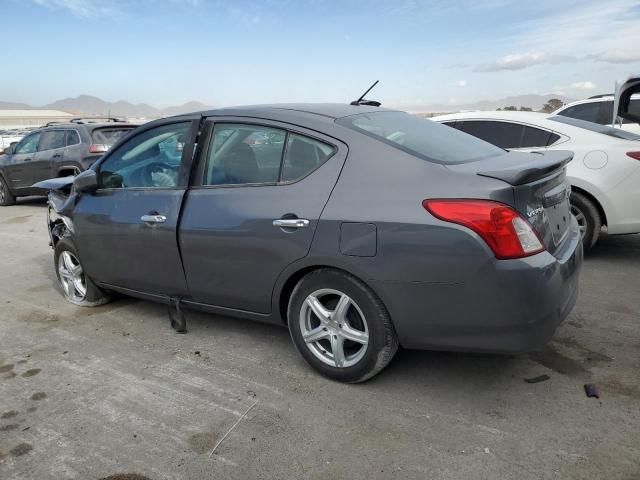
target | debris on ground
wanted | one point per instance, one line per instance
(591, 390)
(538, 379)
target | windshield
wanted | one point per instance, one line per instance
(596, 127)
(421, 137)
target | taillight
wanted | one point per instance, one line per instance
(634, 155)
(98, 148)
(500, 226)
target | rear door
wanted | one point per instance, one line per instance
(126, 230)
(19, 168)
(50, 151)
(257, 195)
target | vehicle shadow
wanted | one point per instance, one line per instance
(32, 201)
(616, 247)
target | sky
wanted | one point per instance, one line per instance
(168, 52)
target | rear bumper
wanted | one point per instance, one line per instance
(511, 306)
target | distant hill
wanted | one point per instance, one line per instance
(534, 102)
(89, 105)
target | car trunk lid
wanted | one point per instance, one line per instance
(540, 189)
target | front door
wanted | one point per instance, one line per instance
(126, 230)
(19, 169)
(50, 150)
(253, 209)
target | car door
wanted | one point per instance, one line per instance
(19, 166)
(246, 217)
(50, 151)
(126, 231)
(623, 105)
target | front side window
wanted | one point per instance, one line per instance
(421, 137)
(28, 144)
(303, 156)
(244, 154)
(149, 160)
(51, 140)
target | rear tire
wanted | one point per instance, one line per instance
(76, 286)
(340, 326)
(588, 219)
(6, 197)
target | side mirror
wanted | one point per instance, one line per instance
(86, 181)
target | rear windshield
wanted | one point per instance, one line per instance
(421, 137)
(109, 136)
(596, 127)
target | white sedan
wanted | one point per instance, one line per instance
(604, 172)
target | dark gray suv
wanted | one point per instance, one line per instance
(57, 150)
(359, 228)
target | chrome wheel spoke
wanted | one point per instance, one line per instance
(349, 333)
(340, 312)
(316, 334)
(337, 349)
(318, 309)
(72, 277)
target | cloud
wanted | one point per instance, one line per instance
(617, 56)
(588, 85)
(460, 83)
(514, 61)
(79, 8)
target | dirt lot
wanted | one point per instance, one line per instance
(90, 393)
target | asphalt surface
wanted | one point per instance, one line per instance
(91, 393)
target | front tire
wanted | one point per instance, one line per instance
(6, 197)
(76, 286)
(340, 326)
(588, 218)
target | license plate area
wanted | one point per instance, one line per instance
(559, 217)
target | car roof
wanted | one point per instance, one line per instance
(329, 110)
(90, 125)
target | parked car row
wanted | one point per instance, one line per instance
(57, 150)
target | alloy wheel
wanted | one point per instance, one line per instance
(72, 277)
(334, 328)
(580, 217)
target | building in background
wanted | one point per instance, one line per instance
(11, 119)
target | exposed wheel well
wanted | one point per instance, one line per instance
(67, 171)
(593, 200)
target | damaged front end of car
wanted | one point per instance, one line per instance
(60, 202)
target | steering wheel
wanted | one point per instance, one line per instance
(169, 174)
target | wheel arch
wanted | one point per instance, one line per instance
(290, 278)
(592, 199)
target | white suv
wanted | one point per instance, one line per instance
(599, 109)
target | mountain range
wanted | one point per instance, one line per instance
(532, 101)
(89, 105)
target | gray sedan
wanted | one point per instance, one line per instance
(359, 228)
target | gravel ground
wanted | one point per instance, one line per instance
(111, 391)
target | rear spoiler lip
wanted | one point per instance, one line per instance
(531, 170)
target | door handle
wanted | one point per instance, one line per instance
(57, 155)
(27, 160)
(153, 218)
(291, 223)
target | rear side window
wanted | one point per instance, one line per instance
(108, 136)
(536, 137)
(420, 137)
(51, 140)
(501, 134)
(303, 156)
(72, 138)
(589, 112)
(244, 154)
